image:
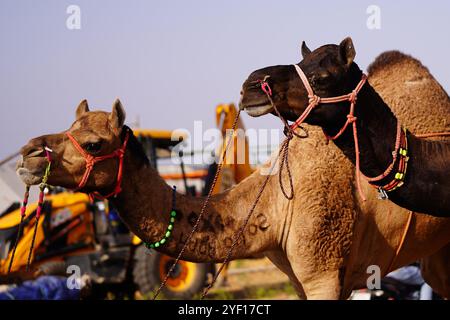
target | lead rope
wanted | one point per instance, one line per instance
(23, 210)
(284, 149)
(203, 210)
(411, 213)
(242, 228)
(402, 241)
(433, 135)
(284, 153)
(42, 187)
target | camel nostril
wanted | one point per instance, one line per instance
(241, 104)
(33, 152)
(19, 163)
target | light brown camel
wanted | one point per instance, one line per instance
(323, 240)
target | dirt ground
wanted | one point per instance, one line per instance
(253, 279)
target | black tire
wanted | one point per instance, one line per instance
(147, 275)
(52, 268)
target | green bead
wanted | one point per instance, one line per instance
(168, 233)
(149, 245)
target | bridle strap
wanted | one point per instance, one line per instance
(315, 100)
(91, 161)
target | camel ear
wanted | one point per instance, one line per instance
(305, 50)
(347, 51)
(117, 115)
(82, 109)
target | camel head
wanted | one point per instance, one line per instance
(97, 132)
(330, 71)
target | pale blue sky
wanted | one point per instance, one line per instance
(171, 62)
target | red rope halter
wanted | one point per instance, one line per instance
(400, 142)
(91, 161)
(315, 100)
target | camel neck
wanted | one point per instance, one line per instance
(377, 130)
(427, 183)
(146, 202)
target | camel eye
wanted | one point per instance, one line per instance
(320, 78)
(92, 147)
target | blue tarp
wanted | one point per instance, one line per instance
(43, 288)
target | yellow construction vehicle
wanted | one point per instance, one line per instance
(236, 166)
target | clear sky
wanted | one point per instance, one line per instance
(171, 62)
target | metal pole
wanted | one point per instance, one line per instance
(9, 158)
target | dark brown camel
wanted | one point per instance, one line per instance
(331, 72)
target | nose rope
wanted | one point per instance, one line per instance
(42, 187)
(23, 210)
(22, 217)
(283, 153)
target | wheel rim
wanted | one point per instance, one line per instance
(182, 276)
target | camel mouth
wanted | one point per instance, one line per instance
(258, 110)
(28, 177)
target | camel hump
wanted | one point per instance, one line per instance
(389, 58)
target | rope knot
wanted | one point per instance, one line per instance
(353, 96)
(351, 118)
(288, 132)
(89, 165)
(314, 99)
(120, 153)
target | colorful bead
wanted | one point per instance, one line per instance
(399, 176)
(403, 152)
(173, 214)
(166, 235)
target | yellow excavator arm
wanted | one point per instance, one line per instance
(237, 163)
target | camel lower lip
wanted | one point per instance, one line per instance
(28, 177)
(256, 111)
